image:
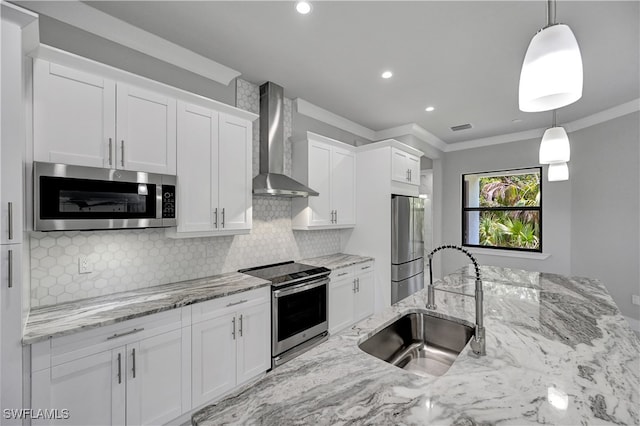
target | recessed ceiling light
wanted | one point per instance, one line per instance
(387, 74)
(429, 109)
(303, 7)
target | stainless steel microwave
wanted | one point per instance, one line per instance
(82, 198)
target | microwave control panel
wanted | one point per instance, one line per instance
(168, 201)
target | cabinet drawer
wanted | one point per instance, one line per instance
(342, 274)
(99, 339)
(363, 268)
(223, 305)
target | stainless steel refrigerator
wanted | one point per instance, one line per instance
(407, 246)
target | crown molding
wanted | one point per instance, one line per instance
(570, 127)
(94, 21)
(313, 111)
(310, 110)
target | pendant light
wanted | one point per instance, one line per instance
(554, 147)
(558, 172)
(551, 75)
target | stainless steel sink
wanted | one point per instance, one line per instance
(420, 343)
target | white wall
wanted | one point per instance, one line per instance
(605, 207)
(590, 223)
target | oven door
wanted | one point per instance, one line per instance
(299, 313)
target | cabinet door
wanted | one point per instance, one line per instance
(12, 136)
(11, 326)
(364, 300)
(92, 388)
(146, 131)
(234, 171)
(73, 116)
(197, 168)
(213, 358)
(399, 165)
(320, 180)
(341, 299)
(343, 186)
(254, 343)
(154, 379)
(413, 163)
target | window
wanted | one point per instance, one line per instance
(503, 209)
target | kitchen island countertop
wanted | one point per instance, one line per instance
(558, 352)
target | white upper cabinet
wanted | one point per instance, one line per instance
(234, 173)
(328, 167)
(74, 116)
(88, 120)
(146, 130)
(214, 172)
(405, 167)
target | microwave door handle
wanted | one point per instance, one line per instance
(158, 201)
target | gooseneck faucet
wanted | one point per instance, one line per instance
(478, 343)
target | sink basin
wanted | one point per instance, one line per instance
(420, 343)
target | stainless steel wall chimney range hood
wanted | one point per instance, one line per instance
(271, 180)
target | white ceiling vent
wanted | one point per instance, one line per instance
(461, 127)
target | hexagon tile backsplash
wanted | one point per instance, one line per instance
(132, 259)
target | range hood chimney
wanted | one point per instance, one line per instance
(271, 180)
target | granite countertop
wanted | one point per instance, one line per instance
(67, 318)
(336, 261)
(558, 352)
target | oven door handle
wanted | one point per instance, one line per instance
(300, 287)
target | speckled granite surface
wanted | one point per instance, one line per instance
(558, 352)
(336, 261)
(67, 318)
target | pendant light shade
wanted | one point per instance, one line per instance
(554, 147)
(551, 75)
(558, 172)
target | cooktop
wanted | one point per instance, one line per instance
(286, 272)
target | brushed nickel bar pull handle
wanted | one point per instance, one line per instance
(115, 336)
(365, 267)
(237, 303)
(358, 285)
(122, 149)
(336, 216)
(223, 217)
(354, 285)
(341, 274)
(215, 222)
(119, 368)
(233, 331)
(240, 330)
(10, 219)
(133, 355)
(10, 268)
(110, 152)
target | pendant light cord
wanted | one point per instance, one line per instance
(551, 13)
(554, 119)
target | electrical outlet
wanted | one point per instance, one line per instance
(635, 299)
(84, 267)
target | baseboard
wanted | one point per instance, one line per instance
(634, 323)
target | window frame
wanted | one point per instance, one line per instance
(465, 209)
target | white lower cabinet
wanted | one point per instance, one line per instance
(351, 295)
(155, 369)
(127, 374)
(231, 343)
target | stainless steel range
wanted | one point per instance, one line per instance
(299, 296)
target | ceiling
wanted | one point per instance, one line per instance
(463, 58)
